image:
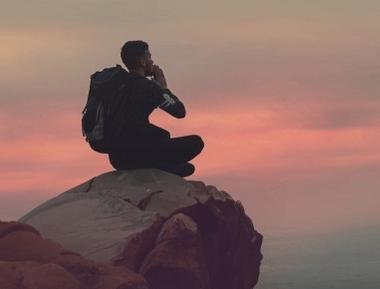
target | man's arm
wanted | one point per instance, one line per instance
(171, 104)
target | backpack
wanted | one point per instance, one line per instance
(102, 117)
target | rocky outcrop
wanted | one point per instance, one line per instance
(27, 261)
(173, 232)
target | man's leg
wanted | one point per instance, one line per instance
(177, 150)
(166, 155)
(156, 132)
(182, 170)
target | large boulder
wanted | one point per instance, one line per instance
(173, 232)
(27, 261)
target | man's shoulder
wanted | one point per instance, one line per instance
(148, 84)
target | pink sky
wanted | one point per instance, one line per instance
(285, 99)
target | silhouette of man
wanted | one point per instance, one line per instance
(142, 144)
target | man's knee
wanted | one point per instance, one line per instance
(197, 142)
(114, 161)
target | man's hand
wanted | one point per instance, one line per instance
(158, 75)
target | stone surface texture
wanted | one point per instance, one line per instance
(169, 231)
(27, 261)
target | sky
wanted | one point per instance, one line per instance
(285, 95)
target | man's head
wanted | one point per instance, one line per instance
(136, 56)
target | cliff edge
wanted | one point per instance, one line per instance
(172, 232)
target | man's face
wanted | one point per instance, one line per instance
(148, 63)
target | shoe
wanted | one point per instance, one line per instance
(182, 170)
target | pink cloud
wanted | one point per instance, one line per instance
(251, 147)
(242, 136)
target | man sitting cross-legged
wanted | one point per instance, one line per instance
(142, 144)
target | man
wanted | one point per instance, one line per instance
(142, 144)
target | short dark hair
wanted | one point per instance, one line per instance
(132, 51)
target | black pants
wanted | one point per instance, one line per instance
(156, 152)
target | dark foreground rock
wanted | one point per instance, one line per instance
(27, 261)
(172, 232)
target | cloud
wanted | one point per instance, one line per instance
(249, 136)
(265, 58)
(331, 114)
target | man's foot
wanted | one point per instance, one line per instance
(182, 170)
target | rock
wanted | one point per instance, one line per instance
(96, 217)
(28, 261)
(177, 260)
(173, 232)
(30, 275)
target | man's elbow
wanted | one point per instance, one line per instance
(177, 111)
(181, 113)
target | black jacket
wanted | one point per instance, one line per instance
(145, 96)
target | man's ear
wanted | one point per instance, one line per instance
(142, 61)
